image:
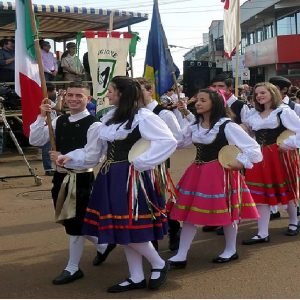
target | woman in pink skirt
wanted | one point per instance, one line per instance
(208, 193)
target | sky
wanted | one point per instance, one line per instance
(184, 22)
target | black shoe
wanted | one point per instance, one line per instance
(49, 173)
(100, 258)
(220, 230)
(221, 260)
(253, 241)
(274, 216)
(131, 286)
(292, 232)
(156, 283)
(209, 228)
(298, 211)
(177, 264)
(66, 277)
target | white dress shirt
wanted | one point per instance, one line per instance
(39, 133)
(286, 100)
(288, 117)
(151, 127)
(170, 119)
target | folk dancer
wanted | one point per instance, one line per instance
(70, 134)
(125, 207)
(208, 193)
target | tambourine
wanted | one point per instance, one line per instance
(138, 148)
(283, 136)
(227, 156)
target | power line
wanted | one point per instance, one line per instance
(148, 4)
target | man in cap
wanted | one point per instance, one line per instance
(72, 67)
(283, 84)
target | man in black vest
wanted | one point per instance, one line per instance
(71, 189)
(238, 107)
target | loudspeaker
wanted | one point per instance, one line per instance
(197, 75)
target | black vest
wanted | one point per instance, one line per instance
(209, 152)
(291, 104)
(118, 150)
(158, 108)
(72, 135)
(236, 107)
(266, 137)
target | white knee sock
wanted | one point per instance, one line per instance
(187, 235)
(75, 253)
(148, 251)
(263, 221)
(292, 212)
(135, 265)
(100, 247)
(230, 233)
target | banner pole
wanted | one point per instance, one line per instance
(41, 71)
(130, 56)
(111, 23)
(237, 49)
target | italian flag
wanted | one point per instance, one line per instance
(27, 78)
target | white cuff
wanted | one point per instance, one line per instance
(140, 167)
(190, 117)
(292, 142)
(242, 158)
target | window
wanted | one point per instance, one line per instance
(287, 25)
(251, 38)
(243, 44)
(268, 31)
(219, 44)
(298, 22)
(259, 35)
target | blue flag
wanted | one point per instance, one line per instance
(159, 65)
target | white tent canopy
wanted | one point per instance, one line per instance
(59, 22)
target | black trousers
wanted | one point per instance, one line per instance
(174, 227)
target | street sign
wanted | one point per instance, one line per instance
(245, 75)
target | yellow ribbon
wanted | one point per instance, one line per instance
(66, 205)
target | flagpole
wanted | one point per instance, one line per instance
(155, 2)
(130, 56)
(237, 49)
(176, 85)
(41, 72)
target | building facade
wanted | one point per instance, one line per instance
(271, 39)
(270, 43)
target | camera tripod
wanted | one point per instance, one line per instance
(37, 179)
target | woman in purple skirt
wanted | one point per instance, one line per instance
(126, 206)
